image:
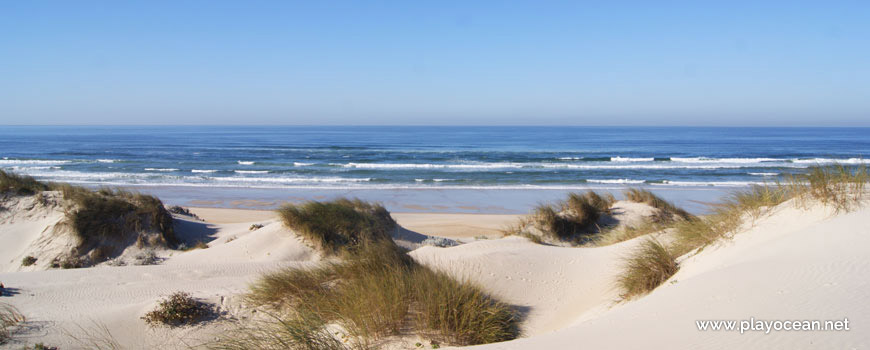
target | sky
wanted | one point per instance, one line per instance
(733, 63)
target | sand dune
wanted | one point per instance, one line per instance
(794, 264)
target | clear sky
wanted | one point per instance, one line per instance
(435, 62)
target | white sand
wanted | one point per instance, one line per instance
(795, 264)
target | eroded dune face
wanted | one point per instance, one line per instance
(34, 227)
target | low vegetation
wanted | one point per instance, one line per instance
(649, 266)
(574, 219)
(839, 187)
(177, 310)
(667, 212)
(9, 319)
(376, 291)
(20, 184)
(28, 261)
(104, 220)
(340, 225)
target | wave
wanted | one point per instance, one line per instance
(764, 174)
(615, 181)
(7, 161)
(302, 164)
(621, 159)
(251, 171)
(161, 169)
(241, 162)
(289, 179)
(706, 183)
(203, 171)
(512, 165)
(107, 160)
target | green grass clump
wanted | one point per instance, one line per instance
(20, 184)
(28, 260)
(573, 218)
(178, 309)
(339, 225)
(107, 215)
(379, 291)
(667, 210)
(9, 318)
(648, 267)
(376, 291)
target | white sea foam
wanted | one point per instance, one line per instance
(514, 165)
(615, 181)
(622, 159)
(302, 164)
(107, 160)
(6, 161)
(830, 161)
(203, 171)
(764, 174)
(241, 162)
(707, 183)
(161, 169)
(251, 171)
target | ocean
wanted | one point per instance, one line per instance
(345, 158)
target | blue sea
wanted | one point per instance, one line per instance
(272, 159)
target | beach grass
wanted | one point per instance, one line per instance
(10, 317)
(650, 265)
(667, 209)
(377, 290)
(20, 184)
(572, 219)
(339, 225)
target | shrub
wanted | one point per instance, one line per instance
(9, 318)
(648, 267)
(574, 218)
(339, 225)
(20, 184)
(28, 260)
(178, 309)
(440, 242)
(255, 227)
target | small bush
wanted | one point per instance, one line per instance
(255, 227)
(28, 261)
(647, 268)
(9, 318)
(339, 225)
(440, 242)
(182, 211)
(20, 184)
(574, 218)
(178, 309)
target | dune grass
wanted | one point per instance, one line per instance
(573, 218)
(667, 209)
(20, 184)
(379, 291)
(9, 318)
(339, 225)
(648, 267)
(301, 331)
(376, 291)
(839, 187)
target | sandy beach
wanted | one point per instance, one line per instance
(792, 263)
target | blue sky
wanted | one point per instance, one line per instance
(435, 62)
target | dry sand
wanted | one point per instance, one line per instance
(794, 264)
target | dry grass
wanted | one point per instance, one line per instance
(667, 209)
(9, 319)
(295, 331)
(20, 184)
(624, 233)
(573, 219)
(648, 267)
(339, 225)
(375, 292)
(837, 186)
